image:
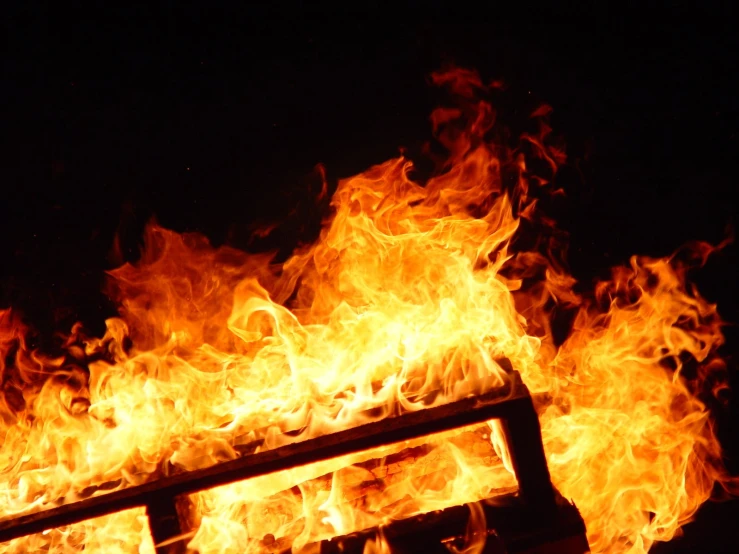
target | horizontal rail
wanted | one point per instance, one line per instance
(507, 402)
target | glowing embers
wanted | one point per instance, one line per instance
(403, 440)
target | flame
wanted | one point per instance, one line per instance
(407, 299)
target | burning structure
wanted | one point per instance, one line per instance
(415, 296)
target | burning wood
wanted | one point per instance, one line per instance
(512, 403)
(508, 529)
(364, 485)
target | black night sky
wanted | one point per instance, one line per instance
(212, 119)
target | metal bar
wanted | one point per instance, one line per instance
(496, 404)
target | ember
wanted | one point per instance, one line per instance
(409, 300)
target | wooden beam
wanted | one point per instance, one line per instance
(164, 524)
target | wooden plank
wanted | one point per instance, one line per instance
(495, 404)
(522, 433)
(164, 524)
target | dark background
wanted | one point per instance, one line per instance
(213, 118)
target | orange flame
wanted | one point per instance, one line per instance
(411, 290)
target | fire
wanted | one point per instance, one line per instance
(409, 296)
